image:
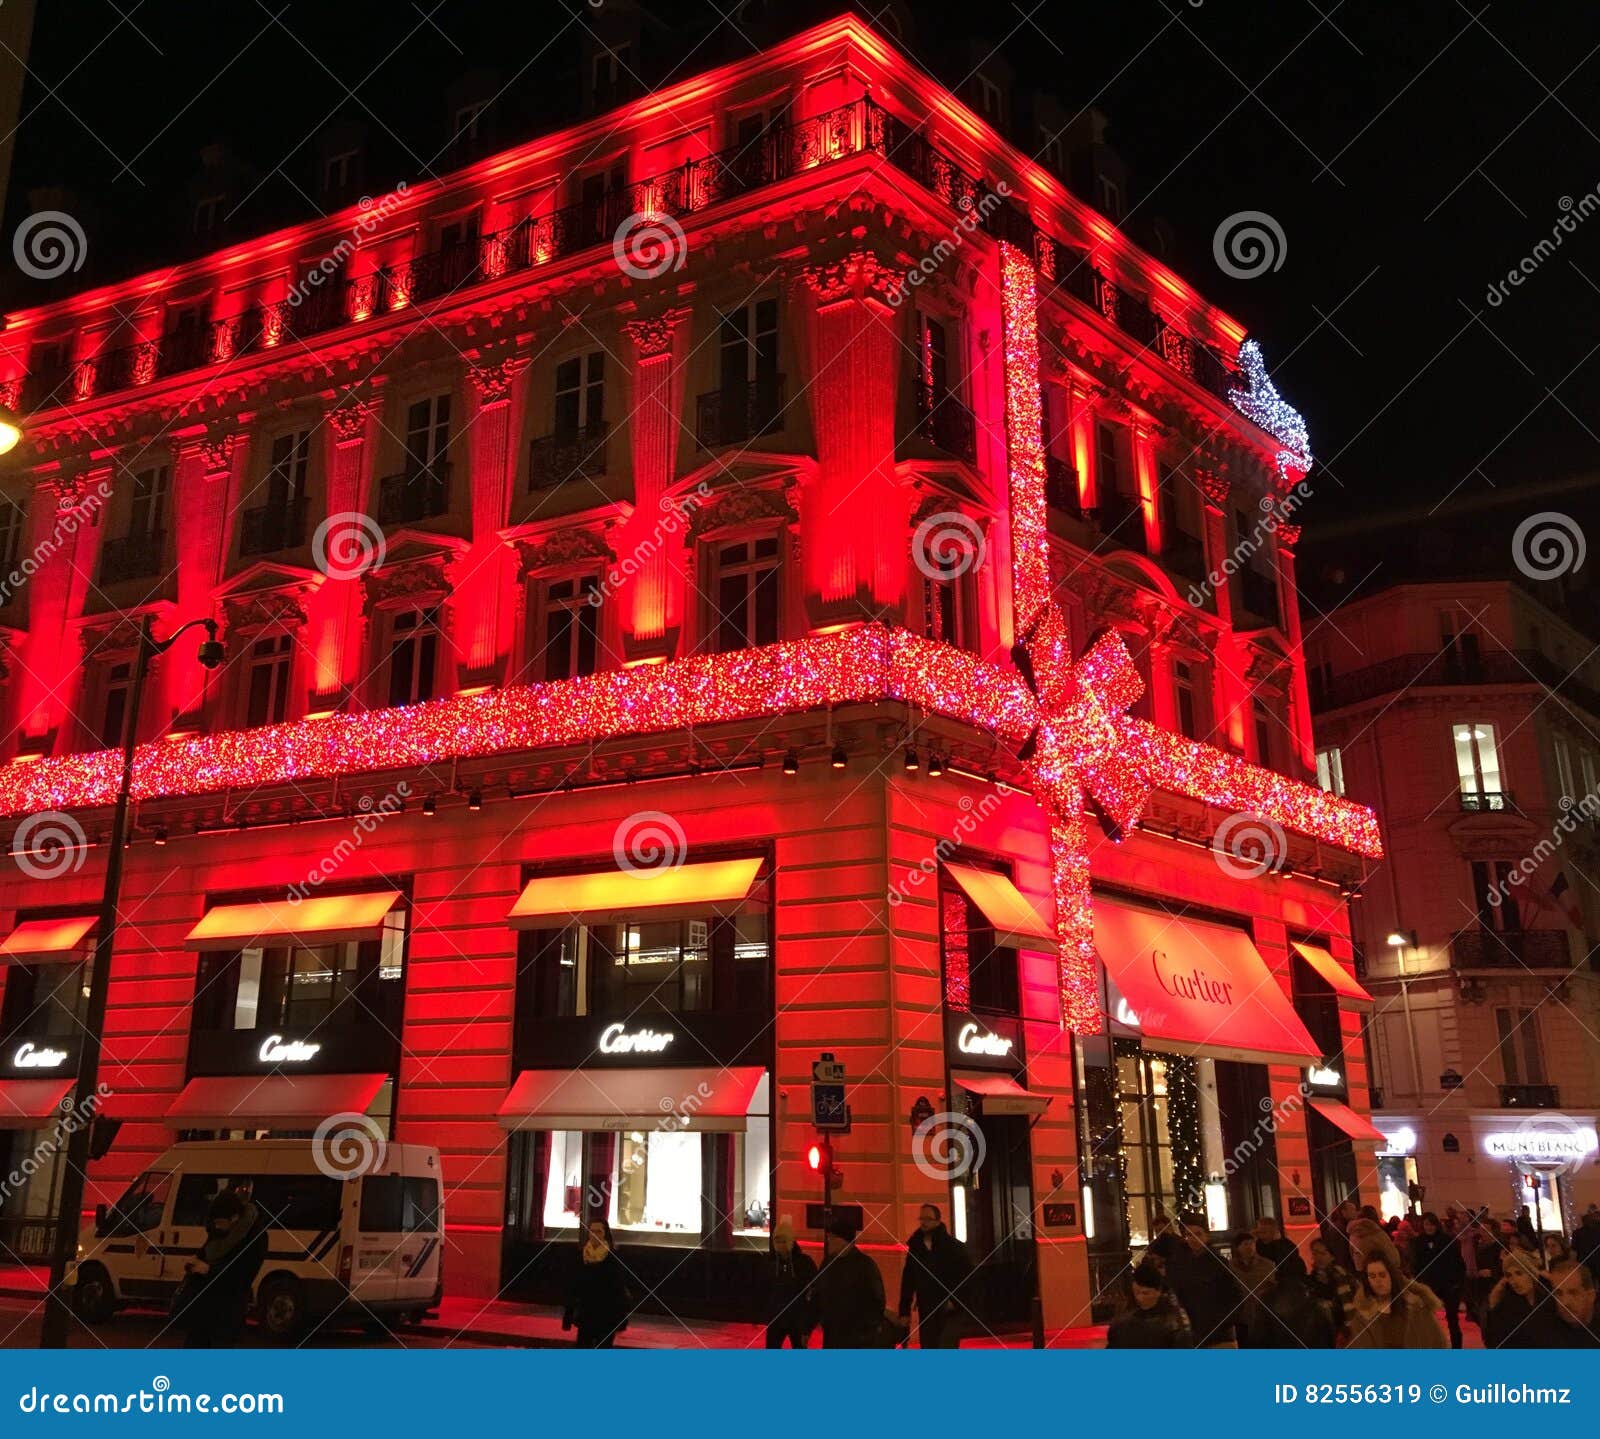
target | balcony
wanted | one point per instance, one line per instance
(1487, 801)
(1519, 951)
(133, 557)
(737, 414)
(1529, 1096)
(267, 529)
(1183, 555)
(571, 455)
(413, 496)
(1447, 669)
(1121, 520)
(1061, 487)
(1258, 594)
(946, 424)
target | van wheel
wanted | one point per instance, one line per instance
(93, 1298)
(280, 1307)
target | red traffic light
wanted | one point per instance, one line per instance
(814, 1157)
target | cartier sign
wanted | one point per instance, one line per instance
(982, 1041)
(278, 1050)
(1190, 981)
(617, 1039)
(973, 1040)
(33, 1056)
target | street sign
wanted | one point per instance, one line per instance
(828, 1109)
(827, 1070)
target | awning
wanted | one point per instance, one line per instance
(29, 1103)
(1199, 988)
(324, 919)
(1016, 923)
(688, 1099)
(46, 941)
(1342, 982)
(271, 1101)
(611, 896)
(1000, 1094)
(1344, 1118)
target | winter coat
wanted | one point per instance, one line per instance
(1561, 1333)
(1254, 1280)
(1292, 1318)
(1334, 1289)
(1207, 1291)
(1436, 1260)
(598, 1302)
(849, 1292)
(790, 1303)
(1412, 1326)
(1163, 1326)
(1338, 1242)
(1586, 1246)
(936, 1269)
(1512, 1322)
(218, 1300)
(1279, 1251)
(1366, 1239)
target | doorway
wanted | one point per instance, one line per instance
(993, 1215)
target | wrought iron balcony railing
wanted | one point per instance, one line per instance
(1529, 1096)
(267, 529)
(1449, 668)
(737, 414)
(1061, 491)
(133, 557)
(946, 424)
(1486, 801)
(568, 455)
(414, 495)
(1498, 949)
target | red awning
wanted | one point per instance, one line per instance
(45, 941)
(613, 896)
(1000, 1093)
(326, 919)
(271, 1101)
(1017, 924)
(693, 1099)
(1340, 980)
(1345, 1119)
(1199, 988)
(30, 1103)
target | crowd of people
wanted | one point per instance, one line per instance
(1369, 1284)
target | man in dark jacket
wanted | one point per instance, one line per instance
(1271, 1244)
(1289, 1316)
(1152, 1319)
(1572, 1321)
(1204, 1287)
(1437, 1261)
(1586, 1241)
(791, 1313)
(936, 1269)
(849, 1292)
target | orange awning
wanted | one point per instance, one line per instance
(1199, 988)
(45, 941)
(325, 919)
(30, 1103)
(693, 1099)
(271, 1101)
(1000, 1093)
(1016, 922)
(612, 896)
(1343, 983)
(1345, 1119)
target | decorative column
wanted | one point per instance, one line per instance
(1147, 481)
(203, 493)
(651, 602)
(1080, 428)
(1289, 608)
(1232, 685)
(345, 545)
(855, 514)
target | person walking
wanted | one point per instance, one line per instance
(935, 1273)
(1368, 1239)
(791, 1307)
(1331, 1284)
(1555, 1251)
(849, 1292)
(1336, 1232)
(1586, 1241)
(1290, 1315)
(1488, 1255)
(598, 1301)
(1516, 1314)
(1436, 1261)
(214, 1298)
(1254, 1275)
(1393, 1312)
(1151, 1318)
(1204, 1286)
(1525, 1229)
(1271, 1244)
(1572, 1321)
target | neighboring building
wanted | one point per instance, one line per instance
(620, 710)
(1468, 715)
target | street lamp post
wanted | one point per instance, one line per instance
(57, 1312)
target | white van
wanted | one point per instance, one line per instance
(346, 1249)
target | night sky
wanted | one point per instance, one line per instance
(1410, 154)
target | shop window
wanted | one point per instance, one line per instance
(568, 627)
(413, 656)
(30, 1202)
(978, 973)
(1521, 1055)
(656, 1184)
(1159, 1107)
(1330, 770)
(267, 693)
(45, 1000)
(1478, 766)
(580, 394)
(746, 592)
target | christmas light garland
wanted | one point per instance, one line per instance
(1261, 403)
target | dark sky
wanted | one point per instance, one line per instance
(1411, 154)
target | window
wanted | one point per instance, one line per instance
(208, 214)
(991, 100)
(1110, 197)
(580, 394)
(467, 117)
(115, 692)
(1459, 645)
(608, 68)
(152, 489)
(747, 347)
(142, 1205)
(12, 522)
(459, 232)
(978, 973)
(933, 359)
(45, 1000)
(1266, 730)
(1495, 895)
(1114, 477)
(1563, 753)
(1520, 1054)
(1189, 699)
(1050, 153)
(286, 478)
(392, 1204)
(291, 1201)
(428, 435)
(337, 169)
(1330, 770)
(271, 663)
(746, 594)
(571, 609)
(413, 656)
(1478, 766)
(1591, 775)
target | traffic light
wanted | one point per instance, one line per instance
(814, 1158)
(819, 1159)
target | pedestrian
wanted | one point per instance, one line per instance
(1204, 1287)
(791, 1311)
(1586, 1241)
(1271, 1243)
(598, 1301)
(1572, 1322)
(1166, 1238)
(1368, 1239)
(1488, 1256)
(214, 1298)
(1150, 1318)
(1524, 1227)
(1336, 1232)
(849, 1292)
(1254, 1275)
(1331, 1284)
(1393, 1312)
(1555, 1251)
(1517, 1316)
(935, 1275)
(1436, 1261)
(1290, 1315)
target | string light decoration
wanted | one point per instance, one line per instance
(1261, 403)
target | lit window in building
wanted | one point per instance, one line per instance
(1330, 770)
(1478, 766)
(1521, 1056)
(571, 630)
(746, 595)
(413, 656)
(580, 394)
(979, 974)
(271, 662)
(933, 360)
(950, 602)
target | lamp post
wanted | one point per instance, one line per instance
(57, 1312)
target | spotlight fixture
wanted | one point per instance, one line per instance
(911, 759)
(838, 759)
(935, 764)
(430, 806)
(160, 835)
(791, 762)
(475, 800)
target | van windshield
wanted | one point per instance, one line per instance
(142, 1202)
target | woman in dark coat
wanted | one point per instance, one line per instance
(1150, 1318)
(215, 1296)
(1436, 1260)
(598, 1303)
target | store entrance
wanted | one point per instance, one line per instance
(994, 1217)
